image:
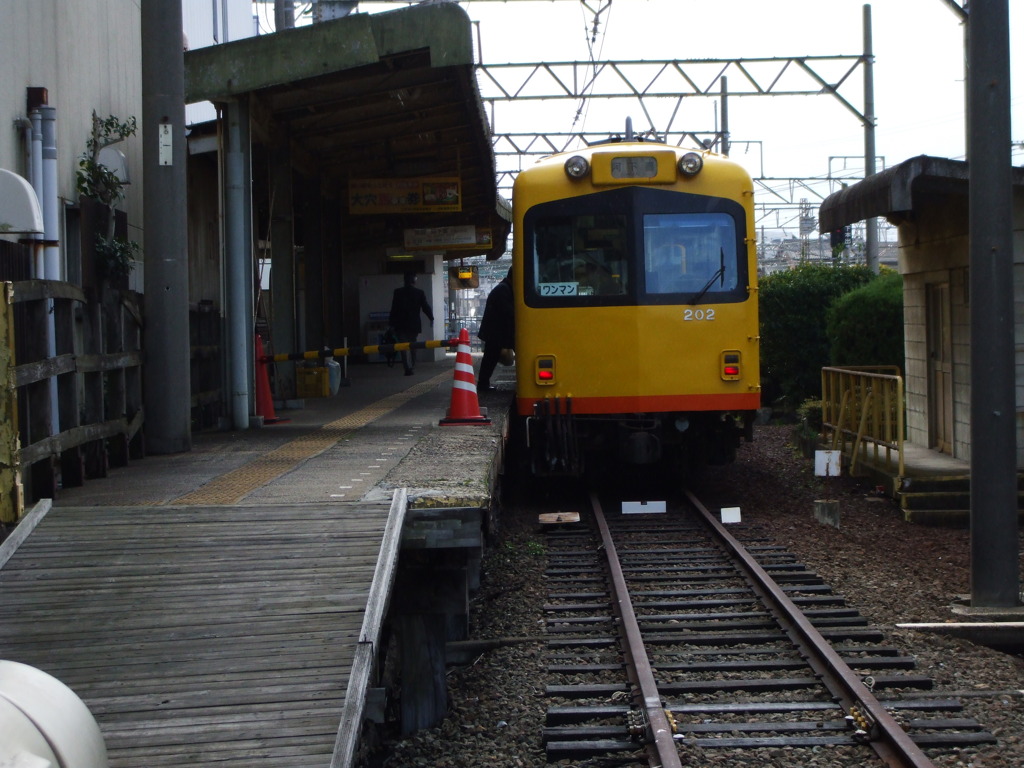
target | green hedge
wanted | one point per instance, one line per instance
(866, 324)
(795, 344)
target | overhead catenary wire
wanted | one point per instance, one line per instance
(591, 34)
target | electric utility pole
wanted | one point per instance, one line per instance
(166, 379)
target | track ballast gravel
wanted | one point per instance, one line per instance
(891, 571)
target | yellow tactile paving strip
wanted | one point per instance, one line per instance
(239, 483)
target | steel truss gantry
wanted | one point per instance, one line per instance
(659, 88)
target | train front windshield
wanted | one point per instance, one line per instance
(635, 246)
(689, 252)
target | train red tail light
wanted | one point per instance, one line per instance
(544, 370)
(729, 365)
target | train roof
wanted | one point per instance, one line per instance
(720, 164)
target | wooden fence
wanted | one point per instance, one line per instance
(72, 381)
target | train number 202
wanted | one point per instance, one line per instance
(698, 314)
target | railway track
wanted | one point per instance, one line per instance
(669, 637)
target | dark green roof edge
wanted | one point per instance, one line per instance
(221, 72)
(892, 192)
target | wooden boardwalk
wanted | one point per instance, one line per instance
(199, 636)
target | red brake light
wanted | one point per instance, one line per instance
(729, 365)
(544, 370)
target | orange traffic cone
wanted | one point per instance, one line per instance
(465, 407)
(264, 400)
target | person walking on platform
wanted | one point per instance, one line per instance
(406, 305)
(497, 329)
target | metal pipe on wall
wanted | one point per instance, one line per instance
(239, 268)
(36, 178)
(49, 267)
(51, 195)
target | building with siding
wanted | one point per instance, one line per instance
(82, 58)
(926, 199)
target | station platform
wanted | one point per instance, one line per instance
(224, 606)
(933, 487)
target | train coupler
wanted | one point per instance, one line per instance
(552, 438)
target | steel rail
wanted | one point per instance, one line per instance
(889, 741)
(662, 747)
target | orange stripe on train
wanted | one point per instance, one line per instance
(746, 401)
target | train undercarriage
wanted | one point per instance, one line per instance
(560, 442)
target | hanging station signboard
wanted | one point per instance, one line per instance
(447, 238)
(425, 195)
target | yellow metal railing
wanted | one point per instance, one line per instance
(862, 413)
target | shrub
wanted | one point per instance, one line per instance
(115, 258)
(795, 345)
(94, 179)
(809, 414)
(866, 324)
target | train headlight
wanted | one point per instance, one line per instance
(730, 365)
(690, 164)
(577, 167)
(544, 371)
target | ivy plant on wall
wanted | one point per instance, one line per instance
(115, 255)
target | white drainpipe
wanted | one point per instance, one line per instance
(35, 170)
(51, 201)
(47, 253)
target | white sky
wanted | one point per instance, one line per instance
(919, 66)
(918, 79)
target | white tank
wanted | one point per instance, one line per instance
(43, 723)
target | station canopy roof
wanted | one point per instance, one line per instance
(370, 97)
(897, 192)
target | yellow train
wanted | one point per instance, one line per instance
(635, 281)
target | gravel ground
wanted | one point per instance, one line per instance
(891, 571)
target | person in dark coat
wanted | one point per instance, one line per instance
(406, 304)
(497, 329)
